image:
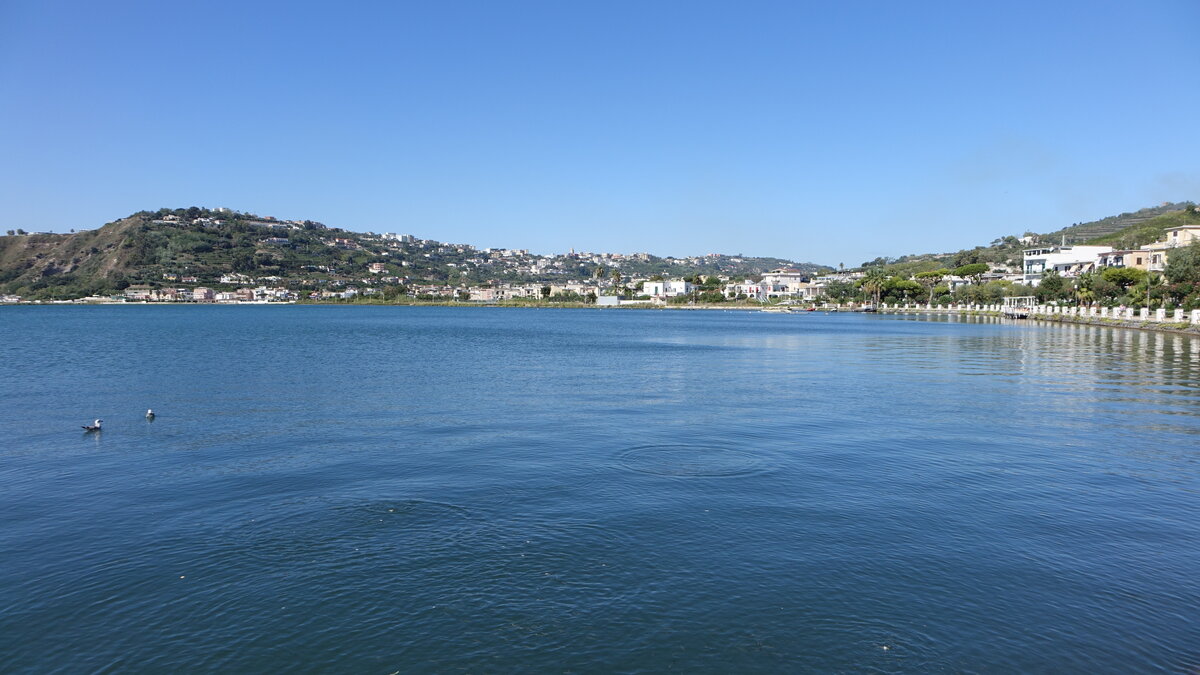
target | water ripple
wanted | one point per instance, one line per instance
(691, 460)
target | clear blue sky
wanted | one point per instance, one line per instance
(831, 132)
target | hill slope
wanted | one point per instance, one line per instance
(1126, 230)
(85, 262)
(198, 246)
(1149, 230)
(1106, 227)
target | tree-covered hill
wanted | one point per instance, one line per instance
(197, 246)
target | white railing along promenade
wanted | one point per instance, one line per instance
(1033, 311)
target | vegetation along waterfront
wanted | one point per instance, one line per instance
(220, 255)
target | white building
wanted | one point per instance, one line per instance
(1068, 261)
(750, 289)
(785, 276)
(666, 289)
(790, 283)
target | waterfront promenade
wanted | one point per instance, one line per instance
(1128, 317)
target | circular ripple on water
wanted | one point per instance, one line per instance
(339, 532)
(687, 460)
(545, 581)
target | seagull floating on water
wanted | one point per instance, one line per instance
(94, 426)
(149, 414)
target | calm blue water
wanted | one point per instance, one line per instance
(375, 490)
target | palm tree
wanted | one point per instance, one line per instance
(1152, 281)
(1084, 293)
(873, 283)
(1085, 296)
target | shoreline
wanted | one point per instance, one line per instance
(1179, 328)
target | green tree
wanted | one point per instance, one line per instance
(902, 289)
(119, 282)
(1124, 277)
(1153, 282)
(940, 291)
(1104, 289)
(973, 271)
(931, 279)
(1183, 264)
(1052, 287)
(1085, 284)
(839, 291)
(963, 258)
(873, 282)
(243, 261)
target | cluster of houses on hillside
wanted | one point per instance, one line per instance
(781, 283)
(1071, 261)
(269, 222)
(143, 293)
(521, 262)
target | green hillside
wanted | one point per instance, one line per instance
(1114, 225)
(1148, 231)
(55, 265)
(150, 247)
(1124, 231)
(195, 246)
